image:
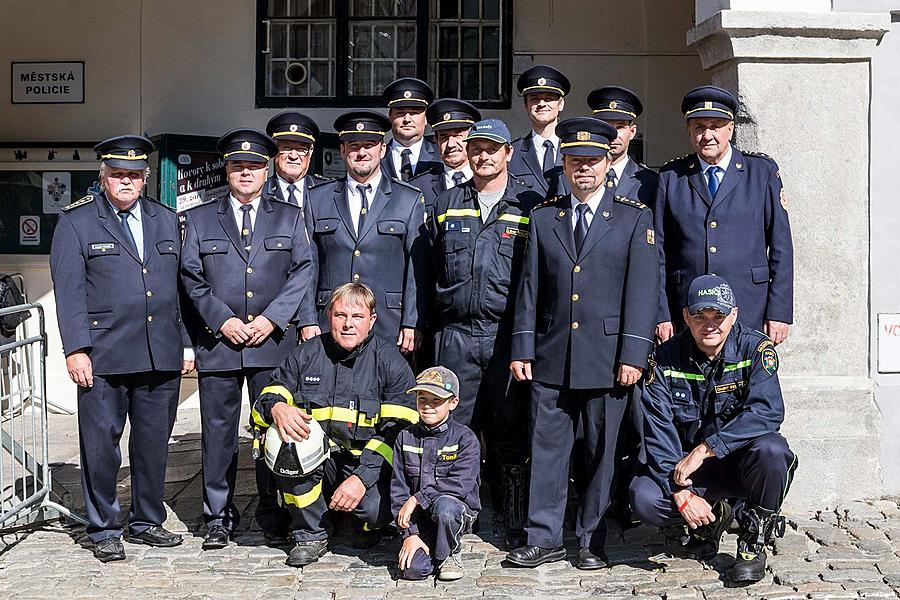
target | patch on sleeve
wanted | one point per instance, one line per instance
(764, 344)
(784, 201)
(770, 360)
(651, 237)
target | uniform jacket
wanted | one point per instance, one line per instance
(431, 183)
(432, 462)
(743, 235)
(639, 182)
(429, 158)
(274, 190)
(577, 316)
(390, 255)
(524, 165)
(358, 397)
(682, 407)
(222, 280)
(123, 312)
(477, 265)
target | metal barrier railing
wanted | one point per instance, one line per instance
(25, 479)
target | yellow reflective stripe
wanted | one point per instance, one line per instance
(459, 212)
(736, 366)
(305, 499)
(382, 449)
(514, 219)
(413, 449)
(279, 390)
(257, 418)
(452, 448)
(683, 375)
(395, 411)
(346, 415)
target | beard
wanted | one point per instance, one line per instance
(363, 169)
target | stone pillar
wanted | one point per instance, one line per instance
(802, 79)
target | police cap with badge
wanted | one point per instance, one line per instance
(452, 113)
(709, 101)
(360, 125)
(247, 144)
(543, 79)
(585, 136)
(125, 152)
(614, 103)
(292, 126)
(408, 92)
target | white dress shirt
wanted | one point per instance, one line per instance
(135, 224)
(538, 141)
(619, 169)
(593, 202)
(239, 214)
(298, 189)
(466, 170)
(354, 201)
(396, 149)
(722, 164)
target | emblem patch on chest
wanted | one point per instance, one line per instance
(515, 231)
(312, 378)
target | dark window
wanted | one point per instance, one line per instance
(344, 52)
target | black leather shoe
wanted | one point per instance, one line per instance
(515, 538)
(306, 553)
(532, 556)
(109, 549)
(217, 537)
(157, 536)
(589, 561)
(277, 537)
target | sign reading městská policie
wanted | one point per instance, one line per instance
(47, 83)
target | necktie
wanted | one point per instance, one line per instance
(581, 225)
(549, 156)
(123, 218)
(712, 181)
(291, 197)
(405, 164)
(458, 178)
(363, 205)
(611, 179)
(247, 227)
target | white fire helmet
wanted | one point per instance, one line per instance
(296, 459)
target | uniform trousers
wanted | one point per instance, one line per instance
(149, 400)
(558, 414)
(759, 472)
(307, 498)
(220, 414)
(491, 403)
(441, 527)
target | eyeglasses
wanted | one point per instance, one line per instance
(301, 150)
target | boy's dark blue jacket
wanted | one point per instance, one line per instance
(443, 461)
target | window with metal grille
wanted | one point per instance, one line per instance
(344, 52)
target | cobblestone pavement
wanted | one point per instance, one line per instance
(848, 552)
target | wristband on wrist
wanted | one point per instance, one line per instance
(686, 502)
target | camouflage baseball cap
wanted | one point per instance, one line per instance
(440, 381)
(710, 291)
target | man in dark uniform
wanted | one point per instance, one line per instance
(114, 263)
(450, 119)
(369, 228)
(296, 136)
(536, 154)
(354, 384)
(479, 232)
(620, 107)
(723, 211)
(712, 409)
(246, 267)
(584, 317)
(410, 153)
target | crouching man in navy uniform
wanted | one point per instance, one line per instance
(354, 384)
(712, 408)
(434, 490)
(114, 262)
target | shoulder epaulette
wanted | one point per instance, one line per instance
(80, 202)
(406, 185)
(548, 202)
(757, 154)
(682, 157)
(158, 203)
(630, 202)
(319, 180)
